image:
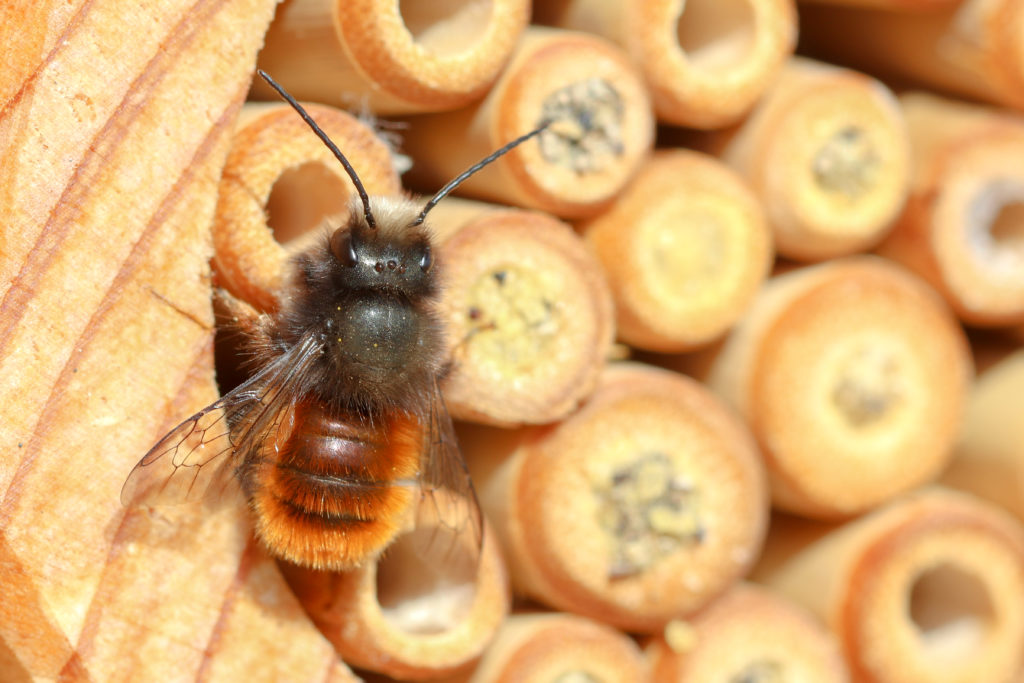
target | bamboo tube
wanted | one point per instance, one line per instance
(638, 509)
(280, 182)
(685, 247)
(895, 5)
(963, 227)
(989, 456)
(391, 57)
(970, 48)
(412, 613)
(559, 647)
(927, 588)
(748, 634)
(528, 315)
(844, 371)
(453, 213)
(108, 183)
(889, 5)
(601, 129)
(706, 62)
(826, 151)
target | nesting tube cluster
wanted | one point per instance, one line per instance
(710, 337)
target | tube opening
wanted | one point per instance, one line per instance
(870, 385)
(302, 198)
(1008, 228)
(650, 509)
(716, 34)
(847, 163)
(426, 581)
(585, 131)
(996, 226)
(513, 320)
(441, 26)
(952, 611)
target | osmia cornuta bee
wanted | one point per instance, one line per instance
(341, 430)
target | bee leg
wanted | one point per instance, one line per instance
(241, 316)
(233, 310)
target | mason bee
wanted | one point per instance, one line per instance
(342, 430)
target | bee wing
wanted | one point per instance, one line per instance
(448, 501)
(198, 459)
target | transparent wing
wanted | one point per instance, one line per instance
(198, 459)
(448, 503)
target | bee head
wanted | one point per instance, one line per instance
(386, 247)
(394, 255)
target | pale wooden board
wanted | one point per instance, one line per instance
(115, 120)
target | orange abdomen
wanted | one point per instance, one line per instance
(336, 490)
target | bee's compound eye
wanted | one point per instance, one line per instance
(426, 260)
(343, 247)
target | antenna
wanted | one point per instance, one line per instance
(327, 141)
(455, 182)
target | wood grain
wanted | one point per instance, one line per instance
(114, 122)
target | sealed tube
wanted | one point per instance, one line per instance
(601, 128)
(528, 314)
(826, 151)
(853, 376)
(639, 508)
(685, 246)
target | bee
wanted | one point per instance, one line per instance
(341, 430)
